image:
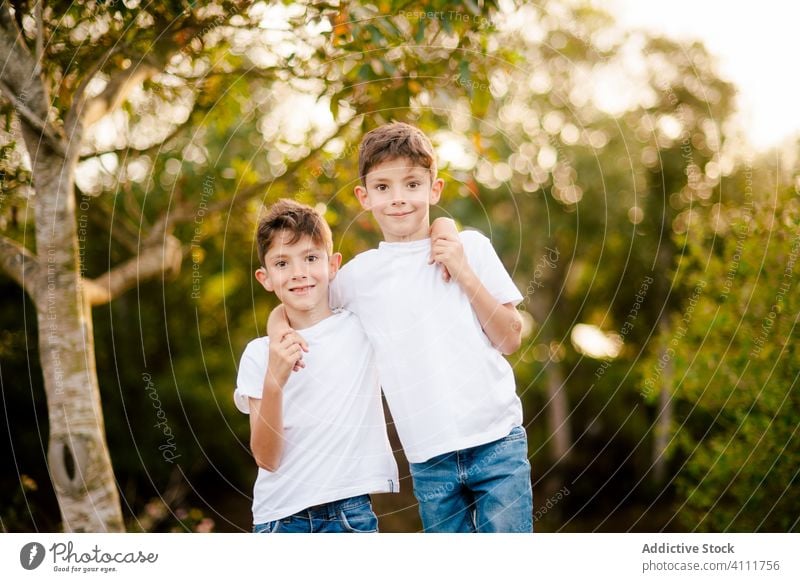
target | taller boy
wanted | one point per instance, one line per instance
(438, 344)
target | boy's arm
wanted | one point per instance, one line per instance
(278, 323)
(501, 322)
(266, 413)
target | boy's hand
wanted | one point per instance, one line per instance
(284, 355)
(278, 326)
(442, 227)
(448, 251)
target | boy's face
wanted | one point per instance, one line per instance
(399, 195)
(298, 273)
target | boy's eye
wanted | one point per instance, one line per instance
(381, 187)
(280, 264)
(312, 258)
(413, 185)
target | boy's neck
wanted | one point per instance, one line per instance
(303, 319)
(421, 235)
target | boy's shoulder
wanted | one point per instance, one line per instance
(361, 261)
(257, 345)
(365, 256)
(340, 318)
(473, 236)
(474, 241)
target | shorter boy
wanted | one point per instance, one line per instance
(317, 427)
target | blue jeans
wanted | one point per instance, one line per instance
(481, 489)
(352, 515)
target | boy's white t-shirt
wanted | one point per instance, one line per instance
(447, 387)
(335, 441)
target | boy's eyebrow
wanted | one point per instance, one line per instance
(413, 173)
(306, 251)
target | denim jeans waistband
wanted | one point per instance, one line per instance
(331, 509)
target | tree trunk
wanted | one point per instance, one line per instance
(78, 458)
(546, 280)
(558, 412)
(663, 422)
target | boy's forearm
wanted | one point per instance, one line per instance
(266, 440)
(278, 323)
(501, 323)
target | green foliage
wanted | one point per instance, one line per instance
(736, 364)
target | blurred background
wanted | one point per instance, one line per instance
(635, 167)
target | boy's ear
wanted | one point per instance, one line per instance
(263, 277)
(334, 262)
(436, 190)
(363, 197)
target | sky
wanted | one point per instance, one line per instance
(757, 47)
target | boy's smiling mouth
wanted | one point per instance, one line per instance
(302, 290)
(401, 214)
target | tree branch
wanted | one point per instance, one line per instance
(20, 81)
(127, 151)
(19, 263)
(29, 116)
(114, 94)
(78, 97)
(85, 112)
(187, 211)
(260, 73)
(39, 36)
(152, 261)
(119, 228)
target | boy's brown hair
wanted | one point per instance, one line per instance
(395, 140)
(298, 219)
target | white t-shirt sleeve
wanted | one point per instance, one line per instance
(252, 368)
(341, 290)
(489, 268)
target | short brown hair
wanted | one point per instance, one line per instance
(298, 219)
(395, 140)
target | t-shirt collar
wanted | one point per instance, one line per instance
(405, 246)
(321, 326)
